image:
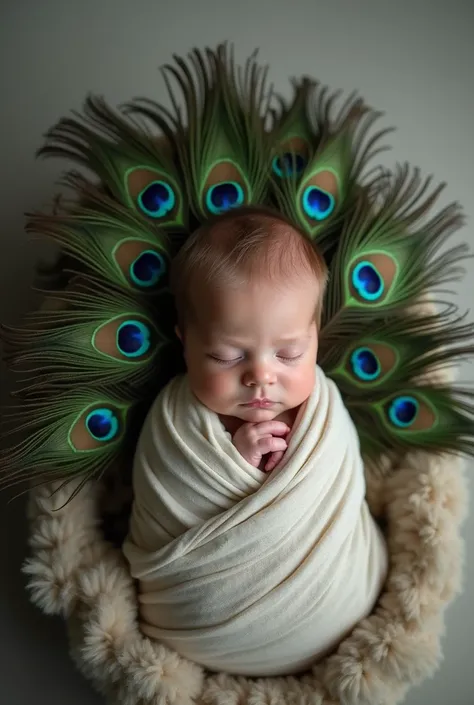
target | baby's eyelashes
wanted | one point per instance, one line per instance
(290, 358)
(224, 360)
(228, 359)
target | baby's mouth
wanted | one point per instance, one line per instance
(260, 404)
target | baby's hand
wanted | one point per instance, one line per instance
(254, 440)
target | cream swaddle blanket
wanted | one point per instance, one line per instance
(247, 572)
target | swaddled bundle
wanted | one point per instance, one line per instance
(239, 570)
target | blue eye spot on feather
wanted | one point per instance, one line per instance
(102, 424)
(365, 364)
(317, 203)
(224, 196)
(133, 338)
(157, 199)
(147, 269)
(288, 164)
(403, 411)
(367, 281)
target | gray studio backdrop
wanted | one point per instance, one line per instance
(412, 59)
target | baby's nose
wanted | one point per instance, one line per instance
(259, 375)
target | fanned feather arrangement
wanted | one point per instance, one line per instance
(93, 359)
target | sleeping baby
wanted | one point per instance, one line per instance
(250, 535)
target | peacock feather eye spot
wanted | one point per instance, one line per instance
(133, 338)
(224, 196)
(318, 204)
(365, 364)
(403, 411)
(157, 199)
(288, 164)
(102, 424)
(147, 269)
(367, 281)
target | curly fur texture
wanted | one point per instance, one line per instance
(74, 572)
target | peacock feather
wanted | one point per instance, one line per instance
(76, 433)
(390, 351)
(94, 335)
(294, 135)
(386, 259)
(319, 158)
(416, 417)
(137, 168)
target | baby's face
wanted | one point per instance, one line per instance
(251, 353)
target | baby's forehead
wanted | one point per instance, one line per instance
(225, 301)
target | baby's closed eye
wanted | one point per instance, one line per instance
(290, 355)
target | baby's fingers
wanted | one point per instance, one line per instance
(273, 460)
(271, 445)
(274, 428)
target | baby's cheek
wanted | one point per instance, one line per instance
(303, 383)
(222, 384)
(213, 388)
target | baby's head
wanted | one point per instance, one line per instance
(248, 289)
